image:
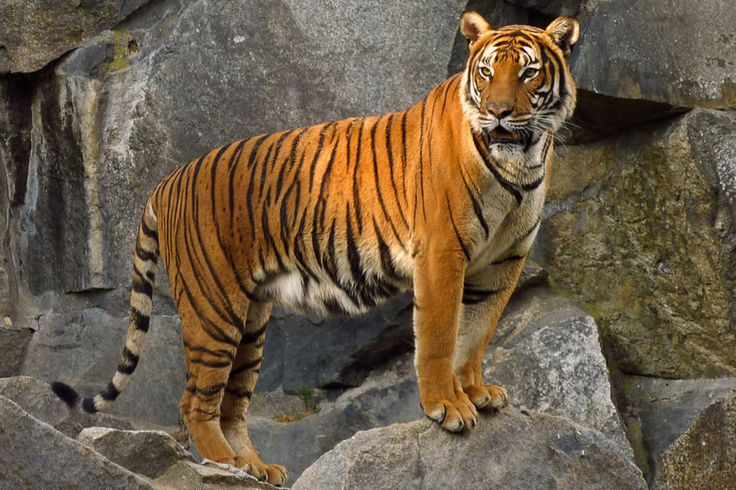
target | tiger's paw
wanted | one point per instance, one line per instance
(453, 413)
(486, 397)
(274, 474)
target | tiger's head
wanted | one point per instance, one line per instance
(517, 85)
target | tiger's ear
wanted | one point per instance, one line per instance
(472, 26)
(564, 31)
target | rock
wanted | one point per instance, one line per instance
(546, 352)
(131, 103)
(34, 455)
(185, 475)
(388, 395)
(512, 449)
(705, 455)
(83, 348)
(147, 452)
(552, 8)
(659, 411)
(13, 343)
(295, 357)
(37, 32)
(35, 397)
(642, 228)
(626, 51)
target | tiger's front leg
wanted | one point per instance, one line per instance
(485, 296)
(438, 282)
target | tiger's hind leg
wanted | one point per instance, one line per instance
(240, 386)
(209, 348)
(483, 305)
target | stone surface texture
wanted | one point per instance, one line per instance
(512, 449)
(34, 455)
(640, 227)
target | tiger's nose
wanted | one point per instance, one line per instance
(500, 111)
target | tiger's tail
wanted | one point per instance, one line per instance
(141, 305)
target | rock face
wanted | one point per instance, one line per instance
(34, 455)
(295, 357)
(546, 351)
(520, 450)
(659, 412)
(36, 32)
(641, 227)
(150, 453)
(703, 456)
(83, 349)
(13, 343)
(626, 52)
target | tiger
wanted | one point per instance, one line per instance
(445, 198)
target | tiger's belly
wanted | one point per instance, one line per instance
(337, 292)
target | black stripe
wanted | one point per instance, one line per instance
(454, 227)
(472, 295)
(250, 337)
(240, 392)
(508, 186)
(389, 153)
(152, 234)
(317, 153)
(245, 367)
(386, 260)
(356, 189)
(205, 350)
(212, 364)
(130, 361)
(110, 393)
(378, 185)
(141, 286)
(476, 206)
(139, 319)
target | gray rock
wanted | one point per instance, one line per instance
(552, 8)
(34, 455)
(641, 227)
(185, 475)
(83, 349)
(389, 395)
(147, 452)
(295, 357)
(512, 449)
(37, 32)
(546, 352)
(626, 51)
(705, 455)
(13, 343)
(659, 411)
(35, 397)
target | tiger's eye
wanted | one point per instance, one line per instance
(485, 71)
(530, 73)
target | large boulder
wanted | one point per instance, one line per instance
(705, 455)
(147, 452)
(627, 46)
(34, 455)
(642, 228)
(659, 412)
(547, 352)
(513, 449)
(33, 33)
(295, 357)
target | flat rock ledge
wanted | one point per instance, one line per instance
(511, 449)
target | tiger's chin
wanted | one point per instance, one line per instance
(507, 146)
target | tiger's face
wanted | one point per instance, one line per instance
(517, 85)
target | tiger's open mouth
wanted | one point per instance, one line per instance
(503, 136)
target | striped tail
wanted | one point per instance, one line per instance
(141, 304)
